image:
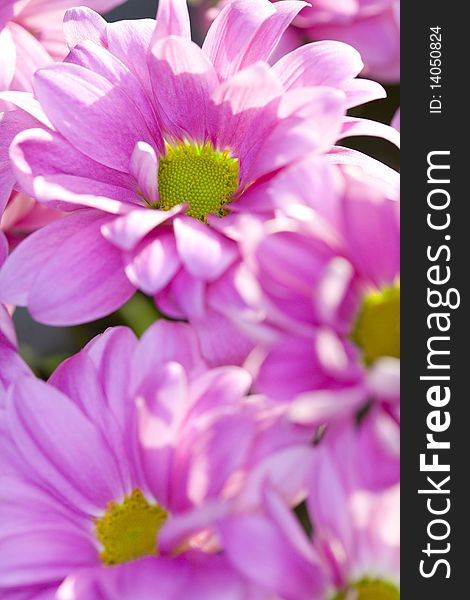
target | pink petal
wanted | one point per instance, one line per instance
(30, 56)
(386, 178)
(360, 91)
(93, 114)
(172, 19)
(126, 231)
(130, 41)
(247, 31)
(62, 448)
(103, 62)
(167, 341)
(205, 253)
(38, 154)
(259, 551)
(144, 167)
(353, 127)
(153, 263)
(91, 281)
(27, 102)
(183, 81)
(82, 24)
(24, 263)
(245, 112)
(321, 63)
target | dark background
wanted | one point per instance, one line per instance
(44, 347)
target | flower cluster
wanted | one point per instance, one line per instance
(247, 445)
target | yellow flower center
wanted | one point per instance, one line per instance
(199, 176)
(129, 530)
(369, 589)
(377, 328)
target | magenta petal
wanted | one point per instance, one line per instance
(62, 448)
(204, 252)
(93, 114)
(82, 24)
(91, 282)
(38, 153)
(25, 262)
(183, 80)
(153, 263)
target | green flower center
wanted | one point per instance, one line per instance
(198, 175)
(377, 328)
(129, 530)
(370, 589)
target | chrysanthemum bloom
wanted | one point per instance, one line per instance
(326, 289)
(355, 531)
(159, 144)
(31, 37)
(115, 473)
(370, 26)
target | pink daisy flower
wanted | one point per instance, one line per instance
(31, 37)
(115, 473)
(155, 147)
(354, 551)
(325, 294)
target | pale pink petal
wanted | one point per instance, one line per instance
(126, 231)
(353, 126)
(360, 91)
(153, 263)
(144, 167)
(82, 23)
(27, 102)
(30, 56)
(172, 19)
(205, 253)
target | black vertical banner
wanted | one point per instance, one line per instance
(435, 307)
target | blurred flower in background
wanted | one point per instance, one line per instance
(370, 26)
